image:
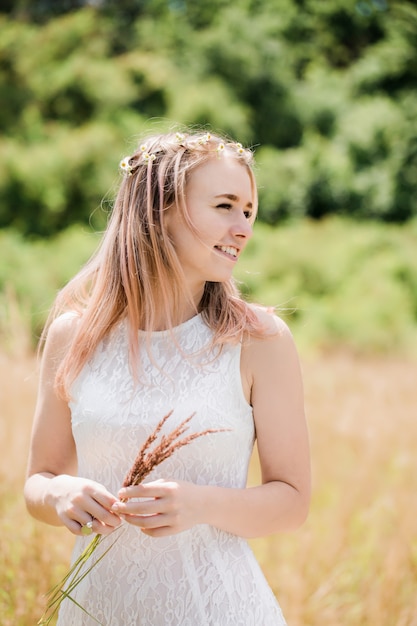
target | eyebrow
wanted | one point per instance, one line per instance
(232, 197)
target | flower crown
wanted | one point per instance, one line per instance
(130, 163)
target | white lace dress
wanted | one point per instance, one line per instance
(200, 577)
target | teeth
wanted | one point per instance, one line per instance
(228, 250)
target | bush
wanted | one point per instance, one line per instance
(338, 283)
(335, 282)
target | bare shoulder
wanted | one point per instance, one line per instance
(275, 330)
(64, 326)
(262, 355)
(60, 334)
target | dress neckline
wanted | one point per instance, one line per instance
(176, 329)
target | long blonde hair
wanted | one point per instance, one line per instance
(135, 273)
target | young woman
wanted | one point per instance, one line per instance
(154, 323)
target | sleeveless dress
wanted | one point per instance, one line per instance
(202, 576)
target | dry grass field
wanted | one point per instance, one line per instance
(354, 563)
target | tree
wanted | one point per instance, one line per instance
(324, 90)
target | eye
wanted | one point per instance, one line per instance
(247, 214)
(224, 205)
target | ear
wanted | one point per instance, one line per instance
(171, 214)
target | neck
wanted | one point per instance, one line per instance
(189, 308)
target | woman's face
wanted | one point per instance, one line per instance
(221, 205)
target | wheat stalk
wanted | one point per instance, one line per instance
(146, 460)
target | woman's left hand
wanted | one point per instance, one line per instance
(161, 507)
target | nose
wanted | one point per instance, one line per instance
(242, 228)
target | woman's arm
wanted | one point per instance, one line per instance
(271, 374)
(52, 492)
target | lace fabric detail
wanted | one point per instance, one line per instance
(202, 576)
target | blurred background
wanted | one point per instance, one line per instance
(325, 91)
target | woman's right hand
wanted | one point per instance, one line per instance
(78, 501)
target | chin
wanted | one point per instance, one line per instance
(219, 278)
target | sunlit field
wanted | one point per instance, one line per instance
(354, 563)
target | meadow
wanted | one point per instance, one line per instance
(354, 562)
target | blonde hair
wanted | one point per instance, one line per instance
(135, 273)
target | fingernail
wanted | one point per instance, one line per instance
(115, 507)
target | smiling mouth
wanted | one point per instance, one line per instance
(229, 250)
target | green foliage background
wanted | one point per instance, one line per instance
(335, 282)
(326, 89)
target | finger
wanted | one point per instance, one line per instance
(87, 528)
(98, 505)
(82, 525)
(154, 489)
(93, 526)
(100, 528)
(104, 500)
(147, 521)
(104, 516)
(73, 526)
(102, 519)
(162, 531)
(135, 491)
(139, 507)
